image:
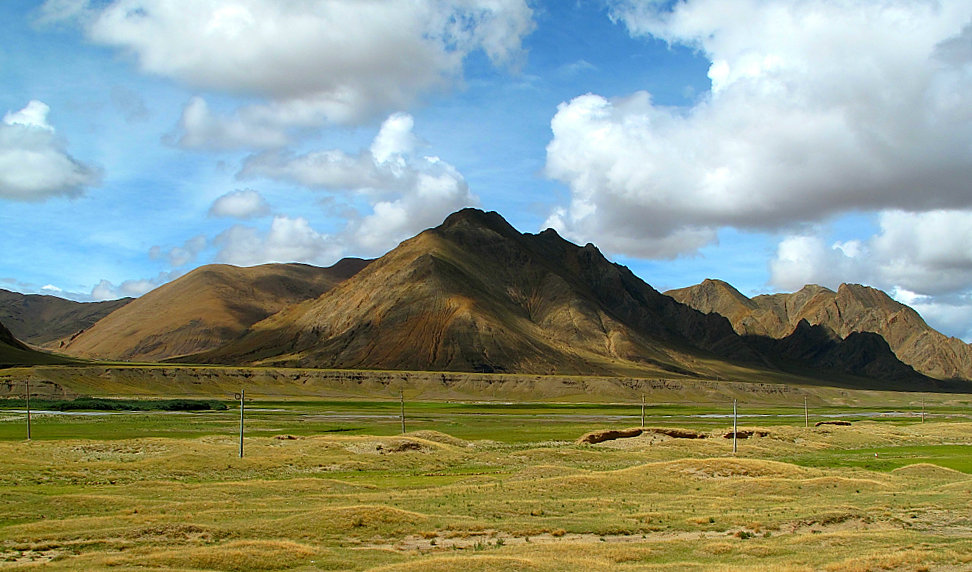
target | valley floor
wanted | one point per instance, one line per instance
(329, 485)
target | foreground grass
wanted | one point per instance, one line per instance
(516, 493)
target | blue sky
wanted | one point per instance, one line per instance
(767, 143)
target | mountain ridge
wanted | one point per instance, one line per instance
(204, 309)
(474, 294)
(49, 321)
(13, 352)
(850, 309)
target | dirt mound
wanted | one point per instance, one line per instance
(930, 471)
(595, 437)
(840, 423)
(730, 468)
(676, 432)
(747, 433)
(438, 437)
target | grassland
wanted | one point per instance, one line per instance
(331, 484)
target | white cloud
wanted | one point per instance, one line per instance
(395, 140)
(246, 129)
(817, 107)
(244, 204)
(288, 240)
(180, 255)
(405, 193)
(808, 259)
(314, 61)
(105, 290)
(33, 115)
(34, 164)
(432, 193)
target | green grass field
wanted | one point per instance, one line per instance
(332, 485)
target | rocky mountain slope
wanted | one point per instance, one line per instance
(204, 309)
(474, 294)
(852, 308)
(48, 321)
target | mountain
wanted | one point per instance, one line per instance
(474, 294)
(852, 308)
(47, 321)
(14, 352)
(861, 354)
(204, 309)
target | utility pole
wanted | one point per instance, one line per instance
(27, 383)
(402, 397)
(806, 413)
(733, 426)
(242, 408)
(922, 409)
(642, 410)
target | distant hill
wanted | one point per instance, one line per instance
(852, 308)
(14, 352)
(476, 295)
(47, 321)
(204, 309)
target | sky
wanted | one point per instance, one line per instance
(767, 143)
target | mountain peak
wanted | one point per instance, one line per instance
(813, 289)
(473, 217)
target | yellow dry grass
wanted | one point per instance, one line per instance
(431, 502)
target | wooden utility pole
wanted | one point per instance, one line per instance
(27, 383)
(806, 413)
(922, 409)
(402, 397)
(733, 426)
(242, 408)
(642, 410)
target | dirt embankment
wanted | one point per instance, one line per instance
(192, 381)
(595, 437)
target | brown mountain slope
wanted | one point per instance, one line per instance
(14, 352)
(204, 309)
(476, 295)
(47, 321)
(852, 308)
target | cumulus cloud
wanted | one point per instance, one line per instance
(244, 204)
(817, 107)
(927, 254)
(405, 193)
(922, 259)
(106, 290)
(34, 164)
(201, 129)
(288, 240)
(180, 255)
(315, 61)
